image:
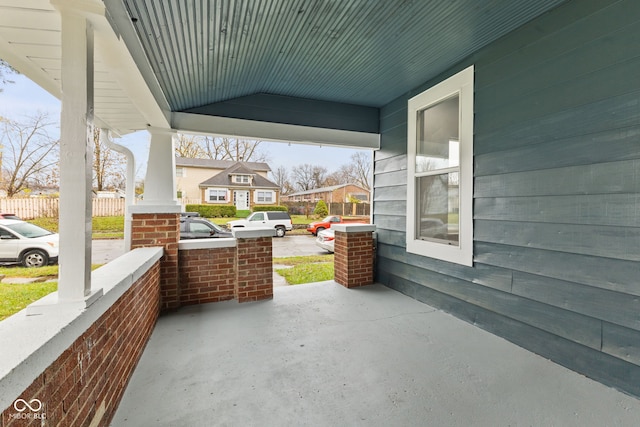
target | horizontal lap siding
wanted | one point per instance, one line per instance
(556, 193)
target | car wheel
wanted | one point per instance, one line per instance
(35, 258)
(319, 229)
(280, 231)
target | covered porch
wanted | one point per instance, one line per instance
(321, 354)
(552, 191)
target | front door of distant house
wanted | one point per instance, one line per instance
(241, 199)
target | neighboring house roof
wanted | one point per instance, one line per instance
(219, 164)
(325, 190)
(223, 179)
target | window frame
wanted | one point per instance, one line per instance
(461, 84)
(241, 179)
(271, 193)
(218, 191)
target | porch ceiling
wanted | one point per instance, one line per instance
(158, 57)
(361, 52)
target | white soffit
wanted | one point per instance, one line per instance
(30, 40)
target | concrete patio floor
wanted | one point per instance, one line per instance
(322, 355)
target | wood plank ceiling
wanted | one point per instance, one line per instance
(363, 52)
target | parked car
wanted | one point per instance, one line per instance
(193, 227)
(281, 221)
(27, 244)
(326, 240)
(316, 227)
(8, 216)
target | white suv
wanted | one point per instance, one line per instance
(27, 244)
(281, 221)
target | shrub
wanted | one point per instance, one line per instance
(242, 214)
(321, 209)
(270, 208)
(210, 211)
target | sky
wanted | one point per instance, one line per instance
(23, 98)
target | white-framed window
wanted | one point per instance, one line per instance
(217, 195)
(440, 170)
(241, 179)
(180, 172)
(262, 196)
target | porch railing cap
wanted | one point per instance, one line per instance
(353, 228)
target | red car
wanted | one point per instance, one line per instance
(316, 227)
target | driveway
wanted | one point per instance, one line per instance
(296, 246)
(108, 250)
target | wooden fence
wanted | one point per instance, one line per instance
(344, 209)
(29, 208)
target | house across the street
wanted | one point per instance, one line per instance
(226, 182)
(343, 193)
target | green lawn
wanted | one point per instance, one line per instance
(14, 298)
(104, 227)
(306, 269)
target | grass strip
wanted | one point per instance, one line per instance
(307, 259)
(307, 273)
(14, 298)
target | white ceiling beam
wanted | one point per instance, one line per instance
(215, 125)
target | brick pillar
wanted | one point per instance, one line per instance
(353, 256)
(161, 229)
(254, 269)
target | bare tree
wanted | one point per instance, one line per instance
(189, 147)
(220, 148)
(30, 154)
(307, 177)
(281, 177)
(109, 166)
(361, 163)
(357, 171)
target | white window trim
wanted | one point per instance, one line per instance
(462, 84)
(273, 197)
(226, 191)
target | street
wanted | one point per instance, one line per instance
(107, 250)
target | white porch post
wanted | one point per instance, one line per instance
(76, 152)
(160, 181)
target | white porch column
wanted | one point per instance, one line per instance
(160, 181)
(76, 153)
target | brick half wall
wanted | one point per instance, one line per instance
(207, 274)
(212, 270)
(84, 385)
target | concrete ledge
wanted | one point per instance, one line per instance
(250, 233)
(154, 208)
(227, 242)
(30, 344)
(353, 228)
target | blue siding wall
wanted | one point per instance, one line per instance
(556, 193)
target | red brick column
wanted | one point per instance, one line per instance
(353, 256)
(254, 264)
(161, 229)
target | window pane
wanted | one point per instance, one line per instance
(438, 204)
(438, 136)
